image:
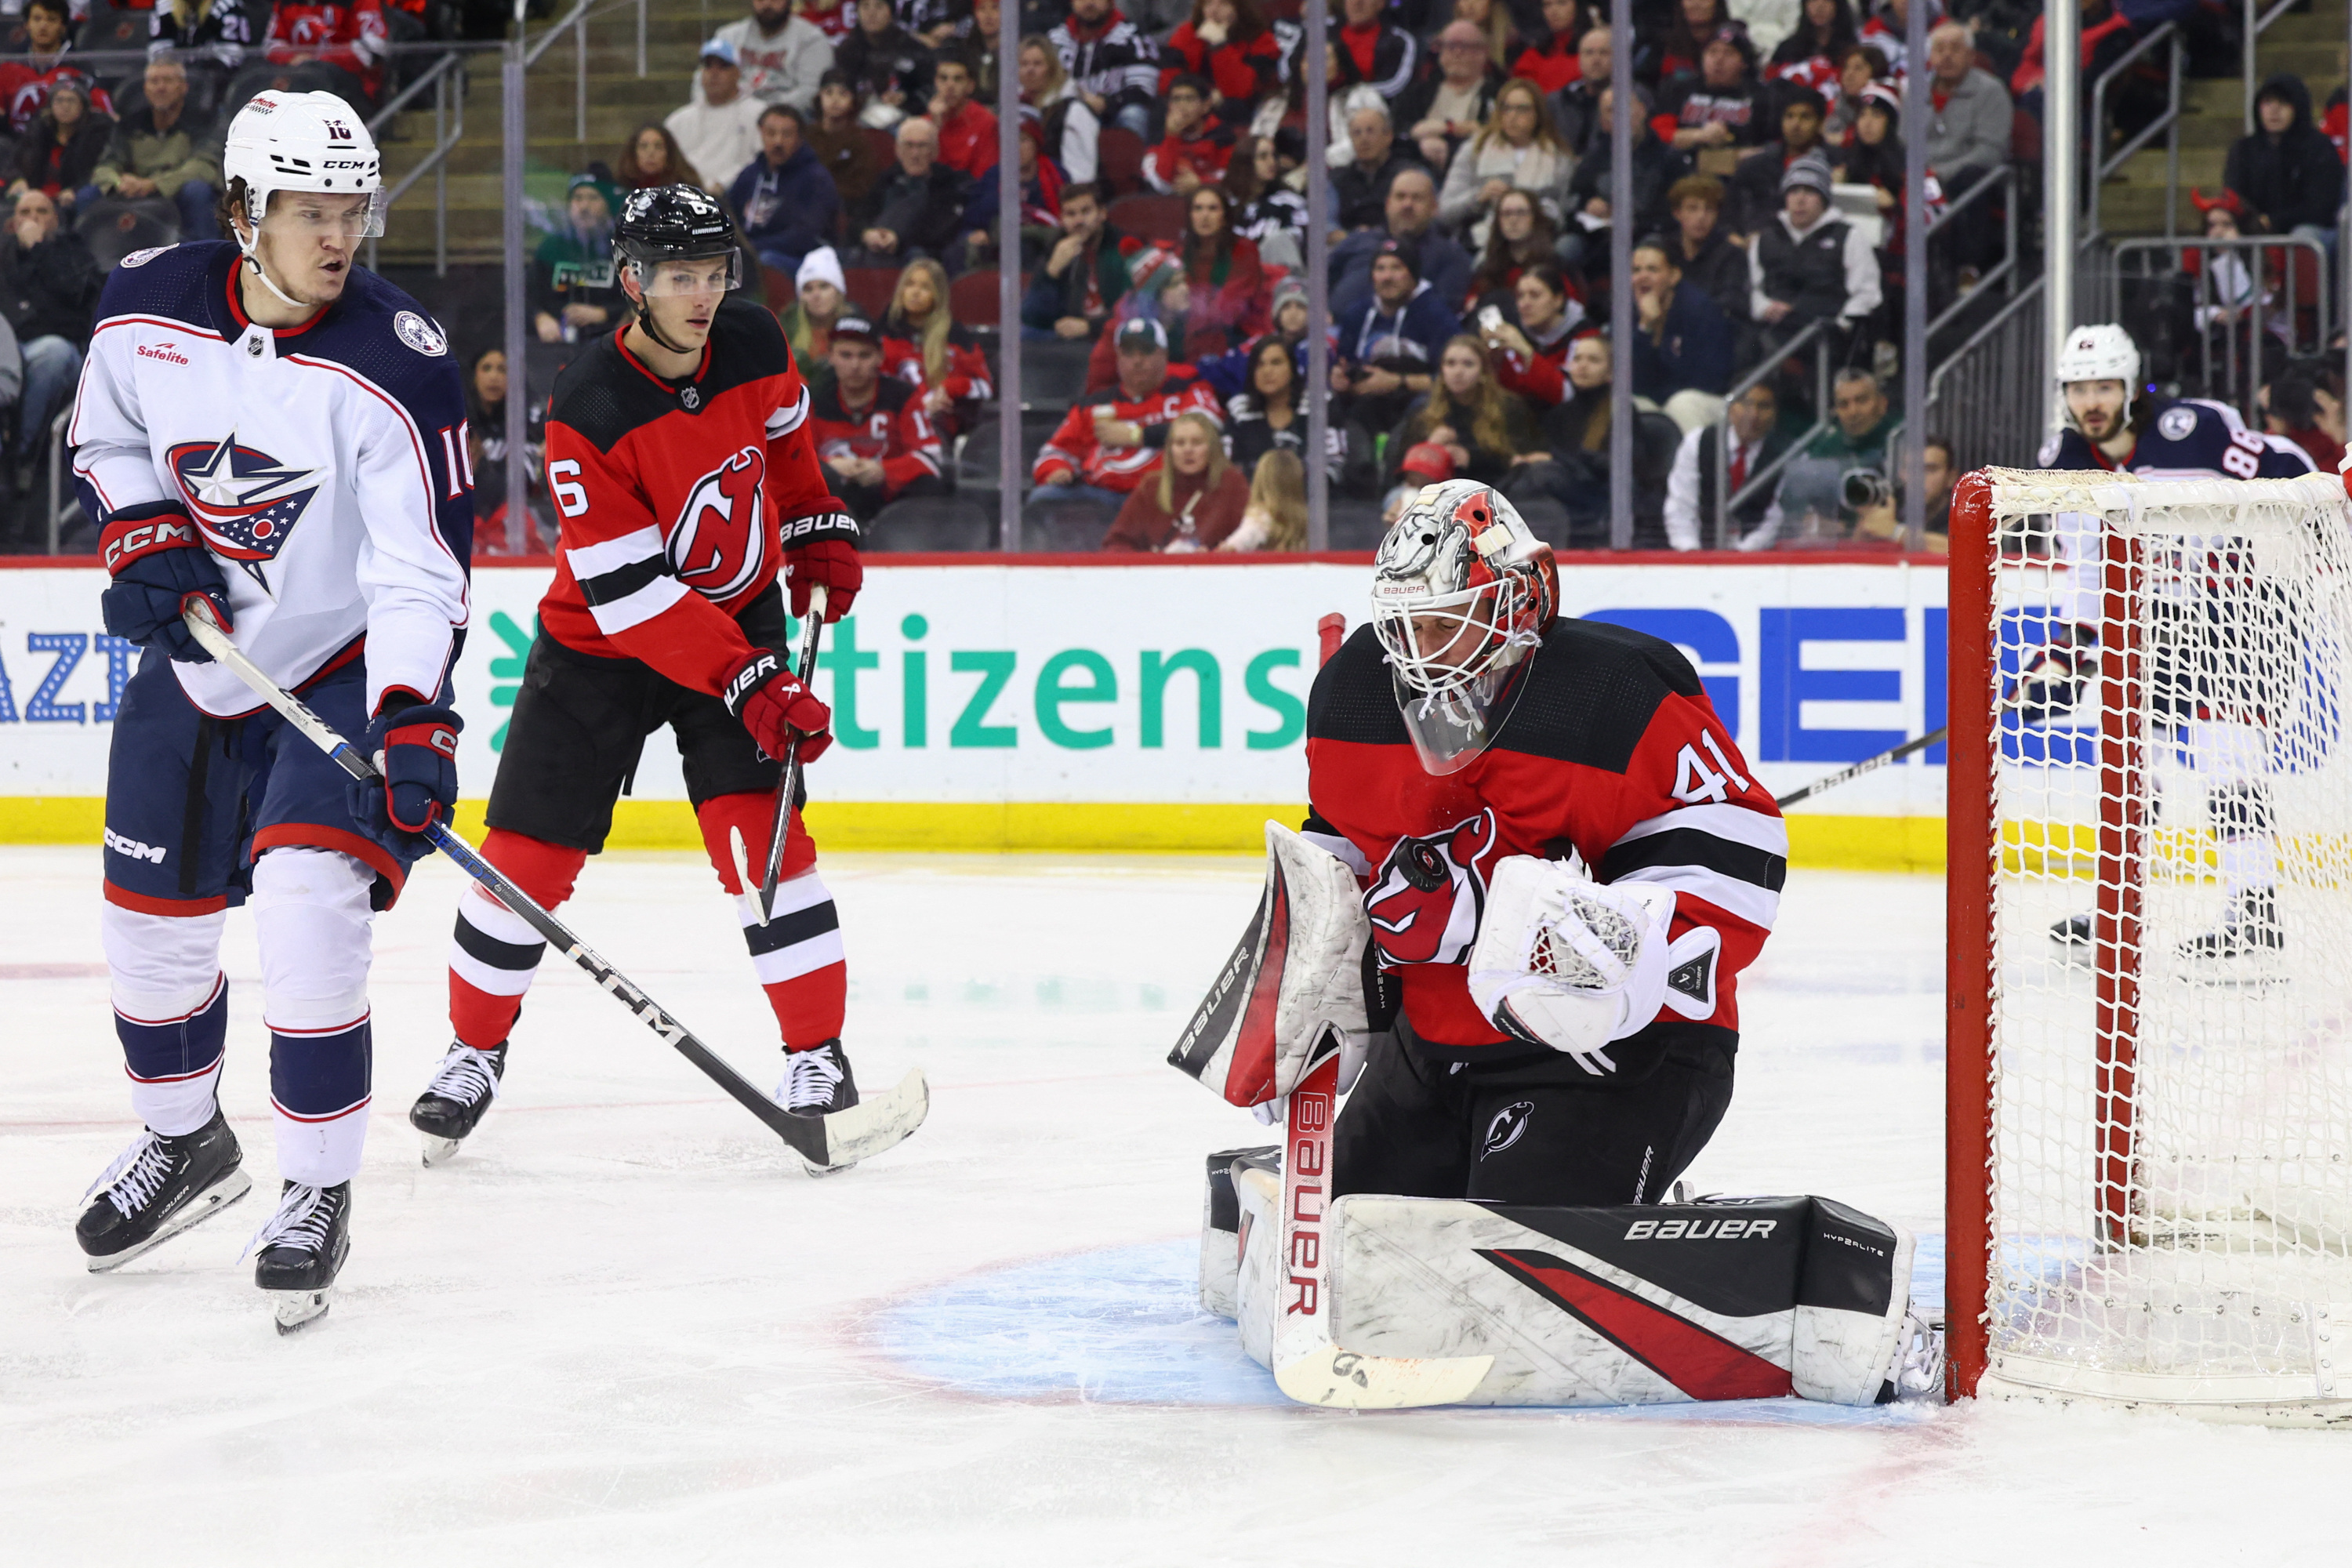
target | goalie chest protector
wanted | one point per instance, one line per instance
(1610, 748)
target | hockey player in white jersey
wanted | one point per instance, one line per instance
(266, 429)
(2215, 709)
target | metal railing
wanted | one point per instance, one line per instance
(1986, 397)
(575, 22)
(2258, 22)
(2286, 299)
(1818, 337)
(447, 79)
(2004, 180)
(2168, 123)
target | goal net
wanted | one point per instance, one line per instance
(2150, 981)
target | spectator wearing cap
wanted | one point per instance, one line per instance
(1410, 213)
(780, 55)
(1361, 189)
(914, 209)
(1656, 167)
(1162, 292)
(1084, 275)
(1388, 348)
(1446, 108)
(1756, 186)
(1722, 107)
(62, 148)
(820, 297)
(840, 143)
(870, 430)
(784, 198)
(1809, 265)
(574, 293)
(718, 128)
(1112, 437)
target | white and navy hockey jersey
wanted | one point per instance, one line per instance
(324, 465)
(2190, 440)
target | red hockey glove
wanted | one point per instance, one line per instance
(823, 550)
(159, 565)
(766, 698)
(415, 745)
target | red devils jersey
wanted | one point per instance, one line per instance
(670, 492)
(892, 428)
(1612, 747)
(965, 375)
(1073, 449)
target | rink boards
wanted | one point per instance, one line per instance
(1080, 702)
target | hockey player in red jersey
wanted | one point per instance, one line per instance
(1565, 865)
(679, 458)
(871, 433)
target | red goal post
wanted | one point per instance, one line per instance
(2149, 1149)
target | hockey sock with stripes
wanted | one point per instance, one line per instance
(493, 954)
(797, 954)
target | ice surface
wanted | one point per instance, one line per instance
(624, 1327)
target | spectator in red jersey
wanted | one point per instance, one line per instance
(1553, 64)
(1724, 108)
(967, 129)
(1041, 207)
(60, 151)
(1229, 286)
(27, 79)
(1388, 59)
(1196, 148)
(925, 346)
(1111, 438)
(836, 19)
(1192, 502)
(2297, 407)
(335, 47)
(1228, 43)
(869, 430)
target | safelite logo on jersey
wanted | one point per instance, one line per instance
(168, 352)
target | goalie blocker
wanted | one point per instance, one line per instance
(1727, 1299)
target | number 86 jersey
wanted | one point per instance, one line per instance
(1610, 748)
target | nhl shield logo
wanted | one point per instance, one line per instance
(245, 502)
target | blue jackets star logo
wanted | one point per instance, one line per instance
(245, 502)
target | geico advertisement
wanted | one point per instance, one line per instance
(1153, 683)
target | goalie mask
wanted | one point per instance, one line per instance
(1463, 592)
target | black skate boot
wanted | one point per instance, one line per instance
(158, 1187)
(2073, 935)
(818, 1082)
(2251, 930)
(457, 1099)
(303, 1250)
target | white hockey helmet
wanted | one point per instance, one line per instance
(303, 141)
(1462, 590)
(2103, 353)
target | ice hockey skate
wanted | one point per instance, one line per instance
(817, 1083)
(2243, 946)
(301, 1251)
(457, 1099)
(158, 1187)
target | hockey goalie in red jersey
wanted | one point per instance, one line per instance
(1566, 864)
(691, 499)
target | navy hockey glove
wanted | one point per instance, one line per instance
(415, 745)
(823, 550)
(158, 565)
(2054, 677)
(769, 699)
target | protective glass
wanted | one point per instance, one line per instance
(320, 214)
(704, 275)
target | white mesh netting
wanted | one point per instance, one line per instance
(2170, 1179)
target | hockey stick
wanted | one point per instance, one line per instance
(843, 1137)
(1308, 1365)
(789, 782)
(1867, 766)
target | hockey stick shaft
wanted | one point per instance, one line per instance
(790, 784)
(806, 1134)
(1867, 766)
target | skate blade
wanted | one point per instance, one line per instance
(298, 1308)
(439, 1151)
(817, 1172)
(214, 1199)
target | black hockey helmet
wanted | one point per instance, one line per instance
(672, 222)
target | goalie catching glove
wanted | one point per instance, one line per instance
(1565, 961)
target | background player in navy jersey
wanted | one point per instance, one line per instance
(679, 458)
(1470, 754)
(265, 428)
(2205, 685)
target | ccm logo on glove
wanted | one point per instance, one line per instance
(125, 543)
(415, 745)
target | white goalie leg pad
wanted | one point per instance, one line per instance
(1564, 961)
(1221, 1229)
(1261, 1284)
(1852, 1303)
(1294, 979)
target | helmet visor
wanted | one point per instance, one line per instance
(684, 277)
(1453, 659)
(321, 214)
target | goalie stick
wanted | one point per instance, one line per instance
(843, 1137)
(786, 786)
(1867, 764)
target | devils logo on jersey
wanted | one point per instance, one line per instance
(1425, 905)
(719, 543)
(245, 502)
